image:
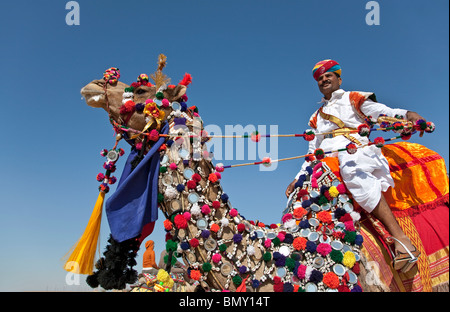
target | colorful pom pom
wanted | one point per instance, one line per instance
(379, 142)
(309, 135)
(351, 148)
(363, 130)
(319, 153)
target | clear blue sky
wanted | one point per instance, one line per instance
(251, 64)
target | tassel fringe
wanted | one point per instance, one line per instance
(81, 260)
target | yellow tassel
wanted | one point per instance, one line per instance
(81, 260)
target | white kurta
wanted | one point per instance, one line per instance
(366, 173)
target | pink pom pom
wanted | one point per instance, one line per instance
(323, 249)
(314, 183)
(220, 168)
(187, 215)
(218, 175)
(281, 236)
(233, 213)
(349, 226)
(173, 166)
(216, 258)
(286, 217)
(206, 209)
(341, 188)
(267, 243)
(165, 103)
(301, 271)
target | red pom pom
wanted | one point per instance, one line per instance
(196, 177)
(363, 130)
(191, 184)
(180, 221)
(351, 148)
(379, 142)
(241, 227)
(153, 135)
(309, 135)
(216, 204)
(319, 153)
(193, 242)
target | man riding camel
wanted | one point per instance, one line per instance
(365, 173)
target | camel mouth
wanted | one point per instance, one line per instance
(92, 97)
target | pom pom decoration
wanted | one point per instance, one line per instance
(256, 136)
(100, 177)
(214, 228)
(212, 177)
(187, 79)
(349, 259)
(309, 135)
(323, 249)
(195, 275)
(111, 75)
(331, 280)
(299, 243)
(398, 126)
(180, 222)
(205, 209)
(324, 217)
(319, 153)
(299, 213)
(351, 148)
(363, 130)
(194, 242)
(430, 127)
(153, 135)
(233, 213)
(421, 124)
(168, 225)
(216, 258)
(379, 142)
(267, 162)
(333, 191)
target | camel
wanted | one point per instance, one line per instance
(229, 253)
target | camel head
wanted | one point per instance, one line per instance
(111, 94)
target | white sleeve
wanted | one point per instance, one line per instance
(374, 109)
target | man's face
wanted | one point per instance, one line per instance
(328, 83)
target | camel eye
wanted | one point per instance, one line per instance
(140, 91)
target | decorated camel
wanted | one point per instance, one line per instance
(322, 243)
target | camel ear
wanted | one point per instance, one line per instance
(173, 94)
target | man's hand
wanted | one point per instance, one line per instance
(413, 117)
(290, 188)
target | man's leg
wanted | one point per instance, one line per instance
(383, 213)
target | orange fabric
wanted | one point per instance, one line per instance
(420, 178)
(357, 99)
(149, 255)
(333, 163)
(417, 202)
(313, 121)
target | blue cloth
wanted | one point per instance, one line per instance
(135, 201)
